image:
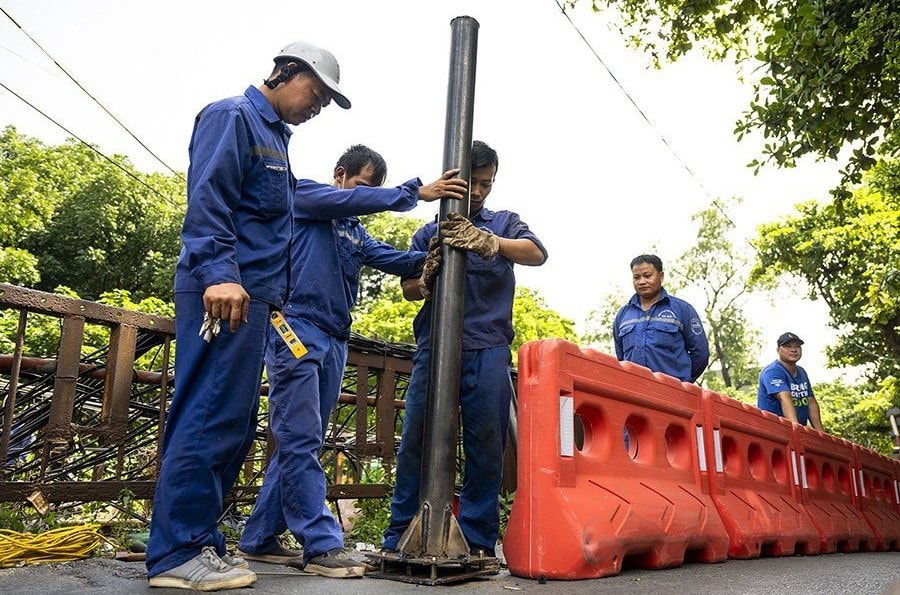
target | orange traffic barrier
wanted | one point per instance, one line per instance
(827, 484)
(607, 469)
(877, 498)
(897, 485)
(748, 465)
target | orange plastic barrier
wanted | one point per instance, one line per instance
(586, 502)
(748, 466)
(826, 478)
(897, 485)
(877, 497)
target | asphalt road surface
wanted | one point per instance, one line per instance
(856, 574)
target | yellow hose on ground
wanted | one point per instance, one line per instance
(58, 545)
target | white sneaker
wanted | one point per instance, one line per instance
(235, 561)
(204, 572)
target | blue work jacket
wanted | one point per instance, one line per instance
(667, 338)
(330, 246)
(237, 228)
(490, 285)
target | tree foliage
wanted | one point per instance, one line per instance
(826, 72)
(848, 256)
(722, 272)
(390, 228)
(70, 217)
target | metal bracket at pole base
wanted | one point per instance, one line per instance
(427, 559)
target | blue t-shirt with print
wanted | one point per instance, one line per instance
(776, 378)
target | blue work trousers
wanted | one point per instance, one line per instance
(302, 395)
(210, 427)
(484, 395)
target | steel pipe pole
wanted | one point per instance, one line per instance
(434, 531)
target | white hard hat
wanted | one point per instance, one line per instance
(323, 64)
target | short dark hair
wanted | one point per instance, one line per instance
(647, 259)
(357, 157)
(483, 155)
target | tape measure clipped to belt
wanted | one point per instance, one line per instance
(287, 334)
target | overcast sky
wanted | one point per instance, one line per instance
(577, 161)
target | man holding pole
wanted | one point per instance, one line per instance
(495, 242)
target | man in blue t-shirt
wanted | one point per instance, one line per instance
(784, 387)
(495, 242)
(657, 330)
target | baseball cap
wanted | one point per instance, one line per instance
(787, 338)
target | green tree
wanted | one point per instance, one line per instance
(826, 73)
(857, 413)
(721, 271)
(390, 318)
(600, 322)
(87, 224)
(393, 229)
(848, 256)
(533, 319)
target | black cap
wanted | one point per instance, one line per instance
(787, 338)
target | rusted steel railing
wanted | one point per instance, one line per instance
(86, 422)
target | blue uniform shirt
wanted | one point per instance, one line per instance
(330, 246)
(490, 285)
(668, 338)
(237, 228)
(774, 379)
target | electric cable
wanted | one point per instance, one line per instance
(97, 101)
(57, 545)
(92, 147)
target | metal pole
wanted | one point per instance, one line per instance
(434, 531)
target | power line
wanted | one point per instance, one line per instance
(97, 101)
(93, 148)
(714, 201)
(637, 107)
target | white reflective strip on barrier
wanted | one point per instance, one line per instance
(717, 444)
(853, 477)
(803, 471)
(896, 491)
(862, 486)
(794, 467)
(701, 449)
(567, 426)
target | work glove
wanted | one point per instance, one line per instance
(459, 232)
(431, 267)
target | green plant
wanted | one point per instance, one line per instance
(374, 513)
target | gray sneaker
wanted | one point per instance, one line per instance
(235, 561)
(335, 564)
(277, 555)
(204, 572)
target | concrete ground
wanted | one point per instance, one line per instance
(857, 574)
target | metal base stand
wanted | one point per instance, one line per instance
(432, 570)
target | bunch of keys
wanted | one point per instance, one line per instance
(210, 327)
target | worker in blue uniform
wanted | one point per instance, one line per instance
(330, 246)
(231, 272)
(658, 330)
(784, 387)
(496, 241)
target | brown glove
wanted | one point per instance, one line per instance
(431, 267)
(459, 232)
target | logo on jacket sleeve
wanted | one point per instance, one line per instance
(696, 327)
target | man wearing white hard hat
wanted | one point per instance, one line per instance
(231, 273)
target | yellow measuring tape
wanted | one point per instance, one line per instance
(287, 334)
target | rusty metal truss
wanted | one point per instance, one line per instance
(86, 422)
